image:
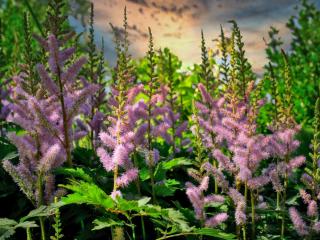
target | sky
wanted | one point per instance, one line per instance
(177, 24)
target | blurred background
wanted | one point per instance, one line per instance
(177, 24)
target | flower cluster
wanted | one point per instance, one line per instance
(200, 201)
(122, 136)
(47, 119)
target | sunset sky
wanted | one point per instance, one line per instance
(177, 24)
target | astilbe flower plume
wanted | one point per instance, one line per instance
(122, 136)
(5, 90)
(196, 195)
(39, 152)
(95, 71)
(66, 98)
(172, 117)
(310, 195)
(48, 119)
(237, 147)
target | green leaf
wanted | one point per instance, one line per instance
(75, 172)
(27, 224)
(144, 174)
(10, 156)
(143, 201)
(214, 233)
(6, 222)
(167, 187)
(87, 193)
(106, 223)
(163, 167)
(42, 211)
(176, 162)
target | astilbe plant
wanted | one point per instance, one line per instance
(4, 104)
(151, 111)
(172, 118)
(47, 119)
(246, 149)
(310, 194)
(95, 75)
(67, 98)
(199, 200)
(284, 143)
(122, 136)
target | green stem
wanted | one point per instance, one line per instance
(40, 203)
(139, 192)
(151, 172)
(64, 118)
(253, 225)
(278, 201)
(284, 199)
(26, 2)
(43, 231)
(29, 236)
(215, 182)
(244, 227)
(244, 232)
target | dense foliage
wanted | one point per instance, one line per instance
(146, 150)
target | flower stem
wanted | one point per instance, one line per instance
(29, 236)
(43, 232)
(284, 199)
(40, 202)
(253, 225)
(64, 119)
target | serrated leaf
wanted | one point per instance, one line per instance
(75, 172)
(42, 211)
(6, 222)
(214, 233)
(176, 162)
(7, 233)
(27, 224)
(106, 223)
(167, 187)
(87, 193)
(143, 201)
(144, 174)
(10, 156)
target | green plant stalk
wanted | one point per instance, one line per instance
(238, 227)
(26, 2)
(253, 213)
(64, 117)
(139, 192)
(41, 219)
(284, 199)
(29, 236)
(244, 227)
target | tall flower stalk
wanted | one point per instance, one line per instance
(95, 69)
(121, 137)
(61, 91)
(311, 194)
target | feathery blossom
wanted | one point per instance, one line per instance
(120, 138)
(47, 119)
(196, 195)
(64, 100)
(298, 222)
(4, 103)
(39, 152)
(311, 191)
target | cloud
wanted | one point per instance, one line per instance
(177, 24)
